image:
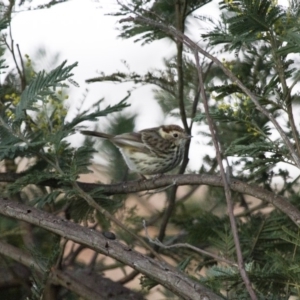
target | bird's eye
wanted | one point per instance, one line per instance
(175, 135)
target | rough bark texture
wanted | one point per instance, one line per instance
(278, 201)
(168, 276)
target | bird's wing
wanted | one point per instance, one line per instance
(131, 140)
(154, 142)
(97, 134)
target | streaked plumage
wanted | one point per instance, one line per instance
(150, 151)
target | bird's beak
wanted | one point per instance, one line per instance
(187, 136)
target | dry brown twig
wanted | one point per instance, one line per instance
(226, 184)
(188, 246)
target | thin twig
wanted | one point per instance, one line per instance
(23, 77)
(91, 264)
(197, 96)
(109, 216)
(167, 215)
(58, 264)
(71, 257)
(285, 89)
(180, 9)
(226, 185)
(251, 210)
(12, 51)
(129, 277)
(186, 245)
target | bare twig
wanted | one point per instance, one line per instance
(91, 264)
(251, 210)
(167, 215)
(197, 96)
(226, 184)
(279, 67)
(12, 51)
(70, 258)
(180, 11)
(186, 245)
(23, 77)
(129, 277)
(103, 211)
(63, 243)
(227, 189)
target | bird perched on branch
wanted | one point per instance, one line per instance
(150, 151)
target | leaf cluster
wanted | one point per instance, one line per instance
(170, 12)
(270, 250)
(256, 31)
(36, 128)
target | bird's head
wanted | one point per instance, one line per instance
(173, 133)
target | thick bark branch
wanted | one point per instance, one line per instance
(279, 202)
(177, 282)
(14, 275)
(87, 285)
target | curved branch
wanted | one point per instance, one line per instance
(135, 186)
(88, 286)
(278, 201)
(174, 280)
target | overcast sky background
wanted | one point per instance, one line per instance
(80, 30)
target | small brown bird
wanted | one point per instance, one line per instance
(150, 151)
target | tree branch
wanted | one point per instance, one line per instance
(76, 281)
(227, 190)
(135, 186)
(188, 246)
(174, 280)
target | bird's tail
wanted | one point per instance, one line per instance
(97, 134)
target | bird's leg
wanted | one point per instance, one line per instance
(125, 176)
(142, 177)
(156, 176)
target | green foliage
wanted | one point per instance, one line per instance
(34, 125)
(41, 97)
(172, 13)
(46, 257)
(258, 30)
(165, 82)
(270, 251)
(43, 85)
(246, 21)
